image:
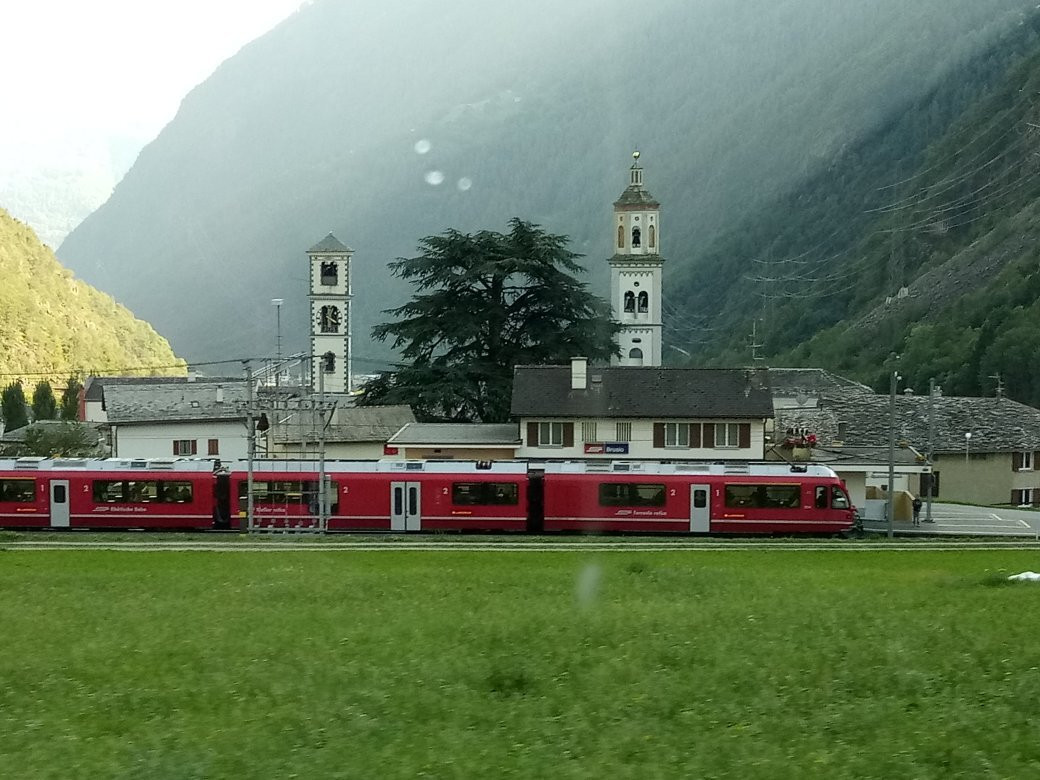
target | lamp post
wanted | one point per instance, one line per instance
(277, 303)
(967, 446)
(890, 504)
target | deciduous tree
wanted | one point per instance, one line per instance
(486, 302)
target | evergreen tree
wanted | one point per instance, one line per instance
(13, 407)
(486, 302)
(44, 404)
(67, 439)
(70, 399)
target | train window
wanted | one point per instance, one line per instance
(764, 496)
(176, 492)
(838, 498)
(700, 499)
(18, 491)
(485, 493)
(821, 498)
(108, 491)
(630, 494)
(142, 491)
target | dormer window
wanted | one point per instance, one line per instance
(636, 237)
(630, 301)
(330, 273)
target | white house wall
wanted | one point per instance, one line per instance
(155, 440)
(641, 443)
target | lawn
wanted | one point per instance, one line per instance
(468, 664)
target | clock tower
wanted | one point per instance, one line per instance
(635, 273)
(330, 297)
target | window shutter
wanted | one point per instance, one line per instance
(213, 447)
(568, 434)
(709, 435)
(658, 435)
(1016, 461)
(745, 436)
(175, 448)
(194, 446)
(695, 434)
(532, 434)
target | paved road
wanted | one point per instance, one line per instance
(960, 520)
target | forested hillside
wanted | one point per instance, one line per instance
(387, 127)
(917, 250)
(53, 325)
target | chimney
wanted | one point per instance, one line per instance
(579, 373)
(220, 394)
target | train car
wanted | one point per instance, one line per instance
(695, 498)
(111, 493)
(396, 496)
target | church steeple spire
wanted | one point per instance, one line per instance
(635, 272)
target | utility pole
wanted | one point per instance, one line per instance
(250, 446)
(890, 506)
(323, 513)
(931, 450)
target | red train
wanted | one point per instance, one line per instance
(405, 496)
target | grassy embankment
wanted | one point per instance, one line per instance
(465, 664)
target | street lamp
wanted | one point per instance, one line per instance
(277, 303)
(967, 445)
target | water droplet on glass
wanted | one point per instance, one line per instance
(434, 177)
(587, 587)
(465, 183)
(422, 146)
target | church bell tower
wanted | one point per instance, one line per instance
(635, 273)
(330, 297)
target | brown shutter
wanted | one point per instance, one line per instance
(1016, 461)
(709, 435)
(194, 446)
(175, 447)
(658, 435)
(744, 436)
(568, 434)
(695, 434)
(532, 434)
(213, 447)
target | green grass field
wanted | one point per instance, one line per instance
(468, 664)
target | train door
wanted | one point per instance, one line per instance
(404, 506)
(59, 503)
(700, 509)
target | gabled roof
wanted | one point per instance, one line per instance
(995, 424)
(349, 425)
(455, 434)
(329, 245)
(639, 392)
(176, 402)
(798, 385)
(95, 385)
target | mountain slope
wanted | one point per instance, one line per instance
(54, 325)
(916, 251)
(528, 110)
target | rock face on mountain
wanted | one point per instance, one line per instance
(386, 126)
(54, 325)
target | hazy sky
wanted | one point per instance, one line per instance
(75, 69)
